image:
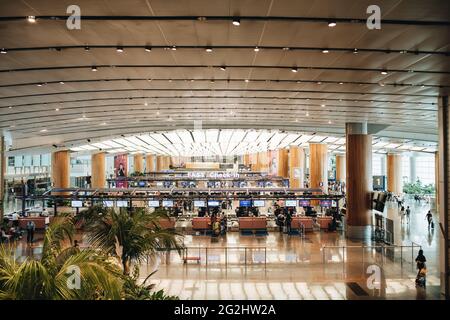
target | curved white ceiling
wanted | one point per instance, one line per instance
(184, 62)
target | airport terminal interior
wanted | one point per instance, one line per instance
(279, 149)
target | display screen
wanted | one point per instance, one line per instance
(199, 203)
(108, 203)
(153, 203)
(122, 203)
(290, 203)
(245, 203)
(258, 203)
(213, 203)
(325, 203)
(167, 203)
(77, 204)
(334, 203)
(141, 183)
(304, 203)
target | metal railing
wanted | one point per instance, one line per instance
(384, 251)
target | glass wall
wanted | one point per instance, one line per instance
(425, 169)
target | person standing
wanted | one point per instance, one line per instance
(429, 217)
(30, 231)
(402, 214)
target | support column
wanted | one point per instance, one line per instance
(444, 193)
(2, 176)
(296, 167)
(149, 163)
(283, 163)
(359, 181)
(394, 173)
(98, 171)
(246, 159)
(263, 161)
(412, 169)
(60, 169)
(340, 168)
(254, 162)
(318, 166)
(159, 163)
(436, 180)
(138, 162)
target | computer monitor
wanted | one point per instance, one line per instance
(122, 203)
(153, 203)
(199, 203)
(108, 203)
(290, 203)
(141, 184)
(167, 203)
(259, 203)
(213, 203)
(245, 203)
(77, 204)
(304, 203)
(325, 203)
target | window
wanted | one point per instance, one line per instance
(425, 169)
(377, 167)
(406, 169)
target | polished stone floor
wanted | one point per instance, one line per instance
(321, 265)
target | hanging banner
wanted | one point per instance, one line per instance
(120, 169)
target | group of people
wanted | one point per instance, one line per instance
(283, 218)
(14, 232)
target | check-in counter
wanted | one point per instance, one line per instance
(201, 223)
(168, 223)
(252, 223)
(39, 222)
(307, 223)
(324, 222)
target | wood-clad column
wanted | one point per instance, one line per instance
(263, 161)
(340, 168)
(138, 162)
(159, 163)
(283, 163)
(296, 167)
(254, 162)
(359, 181)
(168, 162)
(442, 228)
(149, 163)
(98, 171)
(394, 173)
(60, 169)
(246, 159)
(318, 166)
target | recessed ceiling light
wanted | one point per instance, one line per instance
(246, 80)
(236, 22)
(209, 49)
(384, 72)
(31, 19)
(86, 48)
(94, 69)
(157, 112)
(57, 109)
(294, 69)
(3, 50)
(61, 82)
(329, 121)
(355, 50)
(318, 82)
(332, 24)
(43, 130)
(119, 49)
(10, 107)
(256, 49)
(145, 103)
(223, 68)
(341, 83)
(40, 84)
(381, 84)
(148, 49)
(325, 51)
(103, 124)
(286, 48)
(307, 114)
(322, 105)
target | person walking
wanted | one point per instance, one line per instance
(408, 215)
(402, 214)
(429, 217)
(30, 231)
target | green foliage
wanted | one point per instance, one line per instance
(46, 278)
(418, 188)
(137, 174)
(129, 236)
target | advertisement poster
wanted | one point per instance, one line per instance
(120, 169)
